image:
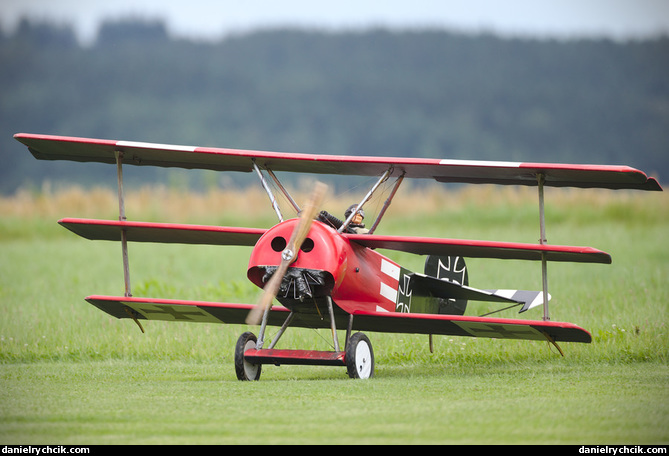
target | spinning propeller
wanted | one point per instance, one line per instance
(289, 254)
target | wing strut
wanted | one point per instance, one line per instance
(541, 179)
(284, 191)
(387, 203)
(272, 198)
(369, 194)
(122, 218)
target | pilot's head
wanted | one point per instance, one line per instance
(359, 215)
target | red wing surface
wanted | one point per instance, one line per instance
(110, 230)
(481, 249)
(201, 311)
(443, 170)
(497, 328)
(213, 312)
(180, 310)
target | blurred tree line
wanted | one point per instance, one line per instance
(429, 93)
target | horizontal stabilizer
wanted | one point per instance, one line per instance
(452, 290)
(529, 298)
(110, 230)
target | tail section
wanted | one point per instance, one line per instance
(529, 298)
(453, 292)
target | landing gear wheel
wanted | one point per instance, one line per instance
(245, 370)
(359, 357)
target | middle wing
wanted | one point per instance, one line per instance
(110, 230)
(481, 249)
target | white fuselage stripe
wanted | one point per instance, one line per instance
(390, 269)
(388, 292)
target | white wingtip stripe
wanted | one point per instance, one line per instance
(145, 145)
(496, 164)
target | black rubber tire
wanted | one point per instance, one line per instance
(359, 357)
(245, 370)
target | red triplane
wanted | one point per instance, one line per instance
(323, 272)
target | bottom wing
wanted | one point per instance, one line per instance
(180, 310)
(455, 325)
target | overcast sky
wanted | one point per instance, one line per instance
(212, 19)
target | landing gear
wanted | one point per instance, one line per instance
(359, 357)
(246, 371)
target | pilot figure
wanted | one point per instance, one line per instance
(357, 225)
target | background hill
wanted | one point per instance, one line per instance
(429, 93)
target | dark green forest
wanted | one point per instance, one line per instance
(426, 93)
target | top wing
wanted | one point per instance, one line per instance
(48, 147)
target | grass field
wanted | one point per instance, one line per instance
(73, 375)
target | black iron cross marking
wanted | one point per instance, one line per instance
(169, 310)
(501, 331)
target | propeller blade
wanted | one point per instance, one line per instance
(289, 255)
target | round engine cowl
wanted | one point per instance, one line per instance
(322, 250)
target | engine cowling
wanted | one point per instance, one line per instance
(320, 266)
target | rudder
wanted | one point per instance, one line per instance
(453, 269)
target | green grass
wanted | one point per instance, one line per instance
(72, 374)
(181, 402)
